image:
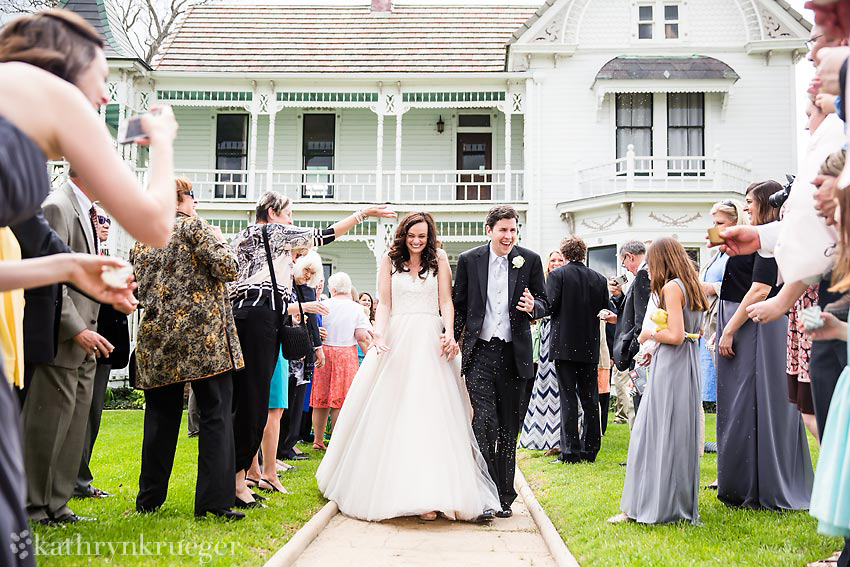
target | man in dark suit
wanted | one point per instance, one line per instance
(631, 306)
(576, 295)
(56, 409)
(112, 324)
(498, 291)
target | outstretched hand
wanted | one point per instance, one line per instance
(381, 211)
(378, 343)
(85, 271)
(739, 240)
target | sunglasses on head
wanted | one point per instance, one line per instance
(103, 220)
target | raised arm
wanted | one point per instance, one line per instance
(349, 222)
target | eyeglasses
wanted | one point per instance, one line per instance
(811, 42)
(103, 220)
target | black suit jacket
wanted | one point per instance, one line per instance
(115, 328)
(43, 304)
(309, 294)
(469, 296)
(576, 296)
(630, 312)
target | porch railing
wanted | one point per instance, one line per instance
(663, 173)
(341, 186)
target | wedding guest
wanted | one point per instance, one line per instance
(257, 309)
(365, 299)
(576, 296)
(267, 480)
(603, 376)
(662, 490)
(187, 336)
(347, 326)
(307, 271)
(763, 458)
(631, 308)
(113, 326)
(723, 215)
(27, 140)
(541, 428)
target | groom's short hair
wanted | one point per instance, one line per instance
(500, 212)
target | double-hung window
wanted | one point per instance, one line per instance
(658, 20)
(634, 127)
(686, 133)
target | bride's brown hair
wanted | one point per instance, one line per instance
(399, 254)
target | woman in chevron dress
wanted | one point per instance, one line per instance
(541, 429)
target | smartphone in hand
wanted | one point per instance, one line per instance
(131, 129)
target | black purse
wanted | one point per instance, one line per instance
(295, 340)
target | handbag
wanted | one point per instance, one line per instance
(295, 340)
(638, 378)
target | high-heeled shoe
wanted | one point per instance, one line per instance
(270, 488)
(247, 505)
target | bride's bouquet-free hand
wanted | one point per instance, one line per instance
(378, 343)
(448, 346)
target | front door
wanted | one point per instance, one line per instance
(474, 153)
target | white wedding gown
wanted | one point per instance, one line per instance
(403, 443)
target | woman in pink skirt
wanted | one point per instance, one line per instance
(347, 326)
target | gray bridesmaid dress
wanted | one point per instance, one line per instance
(662, 470)
(763, 458)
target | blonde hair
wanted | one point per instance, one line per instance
(182, 185)
(731, 209)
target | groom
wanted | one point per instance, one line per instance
(498, 291)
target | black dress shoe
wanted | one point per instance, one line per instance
(73, 519)
(298, 457)
(221, 513)
(486, 516)
(505, 512)
(247, 505)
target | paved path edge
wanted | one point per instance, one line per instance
(557, 548)
(292, 550)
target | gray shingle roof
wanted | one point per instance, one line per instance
(661, 68)
(342, 39)
(103, 16)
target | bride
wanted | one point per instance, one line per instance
(403, 443)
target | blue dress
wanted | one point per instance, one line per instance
(713, 274)
(279, 393)
(831, 493)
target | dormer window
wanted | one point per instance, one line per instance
(658, 20)
(671, 21)
(646, 21)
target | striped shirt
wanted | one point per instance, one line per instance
(254, 285)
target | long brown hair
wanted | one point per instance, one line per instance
(399, 254)
(832, 167)
(58, 41)
(761, 192)
(667, 260)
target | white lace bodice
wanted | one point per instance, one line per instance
(414, 295)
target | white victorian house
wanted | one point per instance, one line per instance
(609, 119)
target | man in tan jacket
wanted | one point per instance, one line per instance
(56, 410)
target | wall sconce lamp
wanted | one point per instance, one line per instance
(440, 125)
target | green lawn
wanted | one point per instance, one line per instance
(116, 469)
(579, 498)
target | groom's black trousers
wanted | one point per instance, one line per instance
(495, 391)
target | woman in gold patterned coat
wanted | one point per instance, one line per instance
(187, 334)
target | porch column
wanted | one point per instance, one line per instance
(398, 118)
(270, 167)
(379, 161)
(508, 184)
(251, 192)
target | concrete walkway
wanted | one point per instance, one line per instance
(411, 542)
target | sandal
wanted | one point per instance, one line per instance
(251, 482)
(270, 488)
(320, 447)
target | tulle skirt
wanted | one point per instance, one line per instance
(403, 443)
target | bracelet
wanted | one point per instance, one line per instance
(359, 216)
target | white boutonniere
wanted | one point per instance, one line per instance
(518, 261)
